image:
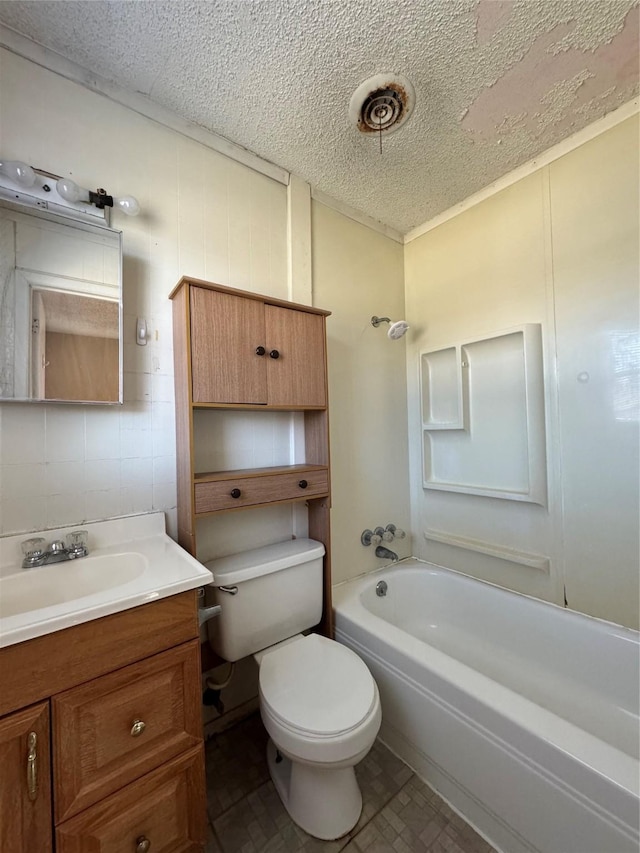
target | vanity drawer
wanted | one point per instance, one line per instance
(160, 813)
(116, 728)
(217, 495)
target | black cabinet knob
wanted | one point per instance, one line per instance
(274, 353)
(260, 350)
(303, 484)
(235, 493)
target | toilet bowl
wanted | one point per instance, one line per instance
(321, 708)
(318, 701)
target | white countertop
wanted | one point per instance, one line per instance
(131, 562)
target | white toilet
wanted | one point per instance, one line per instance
(318, 701)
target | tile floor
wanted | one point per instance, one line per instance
(400, 813)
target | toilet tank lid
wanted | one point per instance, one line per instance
(263, 561)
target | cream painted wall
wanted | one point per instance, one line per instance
(559, 248)
(357, 273)
(203, 215)
(544, 247)
(207, 216)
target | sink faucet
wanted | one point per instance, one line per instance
(386, 554)
(37, 553)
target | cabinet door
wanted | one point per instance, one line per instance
(25, 781)
(161, 813)
(297, 377)
(226, 331)
(114, 729)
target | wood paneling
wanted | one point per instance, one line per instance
(25, 823)
(214, 496)
(38, 668)
(247, 294)
(184, 418)
(164, 807)
(297, 377)
(80, 367)
(95, 749)
(225, 332)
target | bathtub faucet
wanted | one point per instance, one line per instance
(386, 554)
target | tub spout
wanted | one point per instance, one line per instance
(386, 554)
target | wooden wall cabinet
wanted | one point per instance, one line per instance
(118, 736)
(240, 350)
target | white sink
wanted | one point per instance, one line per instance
(131, 561)
(63, 582)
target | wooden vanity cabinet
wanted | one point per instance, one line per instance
(119, 735)
(235, 350)
(25, 781)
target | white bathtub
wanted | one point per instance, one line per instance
(524, 716)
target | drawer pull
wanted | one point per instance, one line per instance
(274, 353)
(260, 350)
(303, 484)
(137, 728)
(235, 493)
(32, 766)
(142, 844)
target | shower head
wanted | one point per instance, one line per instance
(396, 330)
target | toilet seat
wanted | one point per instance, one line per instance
(317, 687)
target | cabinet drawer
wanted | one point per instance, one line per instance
(214, 496)
(116, 728)
(163, 808)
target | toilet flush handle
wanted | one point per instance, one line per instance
(232, 590)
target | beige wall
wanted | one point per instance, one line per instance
(202, 215)
(206, 216)
(358, 273)
(559, 248)
(545, 250)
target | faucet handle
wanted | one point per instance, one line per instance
(33, 551)
(395, 532)
(77, 543)
(368, 537)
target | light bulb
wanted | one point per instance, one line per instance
(127, 204)
(70, 191)
(18, 172)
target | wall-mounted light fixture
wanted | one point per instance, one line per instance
(70, 191)
(22, 183)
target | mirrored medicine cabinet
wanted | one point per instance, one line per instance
(60, 308)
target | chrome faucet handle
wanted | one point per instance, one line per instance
(395, 532)
(368, 537)
(77, 543)
(33, 551)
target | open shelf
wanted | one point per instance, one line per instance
(483, 416)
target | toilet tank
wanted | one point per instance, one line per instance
(276, 592)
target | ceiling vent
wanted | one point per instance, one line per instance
(382, 104)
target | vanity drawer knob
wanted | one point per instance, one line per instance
(260, 350)
(274, 353)
(136, 730)
(235, 493)
(303, 484)
(142, 844)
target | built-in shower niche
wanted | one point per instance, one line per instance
(482, 407)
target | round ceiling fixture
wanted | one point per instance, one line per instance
(382, 103)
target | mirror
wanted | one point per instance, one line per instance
(60, 308)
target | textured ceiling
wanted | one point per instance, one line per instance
(496, 82)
